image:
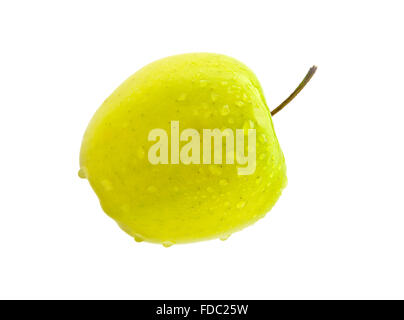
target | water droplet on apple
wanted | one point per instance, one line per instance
(214, 96)
(239, 103)
(262, 138)
(207, 114)
(106, 184)
(138, 238)
(203, 83)
(209, 189)
(140, 153)
(182, 97)
(167, 244)
(249, 124)
(241, 204)
(225, 237)
(223, 182)
(225, 110)
(82, 173)
(151, 189)
(215, 170)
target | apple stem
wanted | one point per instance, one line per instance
(302, 84)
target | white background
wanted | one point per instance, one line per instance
(336, 232)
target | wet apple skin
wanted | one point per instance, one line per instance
(177, 203)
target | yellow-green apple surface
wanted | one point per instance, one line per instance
(170, 201)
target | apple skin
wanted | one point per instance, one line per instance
(178, 203)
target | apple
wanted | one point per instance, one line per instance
(172, 187)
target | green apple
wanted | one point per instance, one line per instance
(180, 196)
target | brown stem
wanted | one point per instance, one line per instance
(302, 84)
